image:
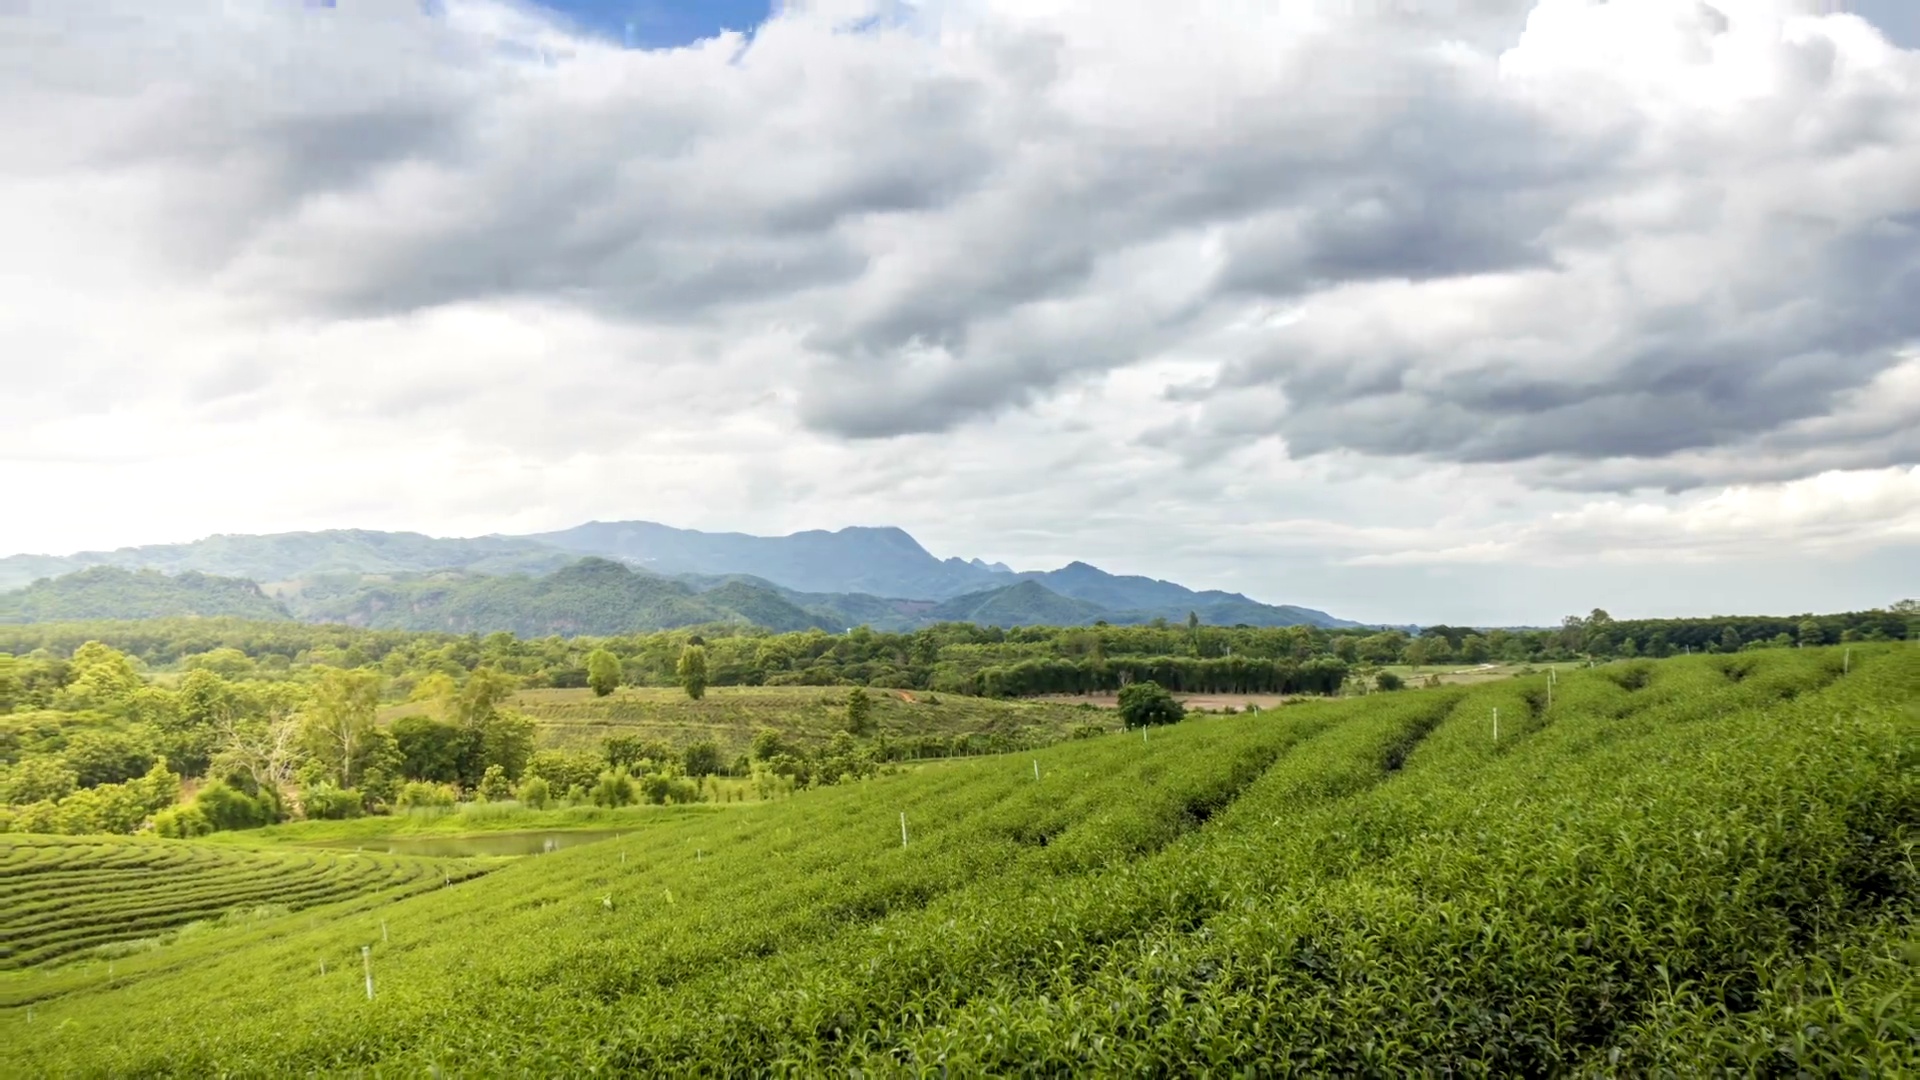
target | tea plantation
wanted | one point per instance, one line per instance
(1687, 867)
(62, 896)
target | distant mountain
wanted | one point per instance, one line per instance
(1027, 604)
(593, 596)
(108, 592)
(879, 577)
(874, 561)
(284, 556)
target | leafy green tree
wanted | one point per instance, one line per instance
(494, 786)
(429, 749)
(37, 778)
(603, 672)
(692, 670)
(859, 712)
(107, 757)
(1729, 640)
(341, 713)
(535, 792)
(1387, 680)
(614, 788)
(703, 759)
(1143, 704)
(767, 745)
(1811, 633)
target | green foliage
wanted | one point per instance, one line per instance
(603, 672)
(703, 759)
(692, 670)
(535, 792)
(421, 795)
(108, 592)
(1387, 680)
(494, 786)
(614, 788)
(1145, 704)
(859, 712)
(327, 803)
(225, 808)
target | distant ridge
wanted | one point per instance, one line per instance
(878, 576)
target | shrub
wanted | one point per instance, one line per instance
(1387, 680)
(182, 823)
(494, 785)
(419, 794)
(536, 793)
(1147, 703)
(329, 803)
(226, 808)
(615, 788)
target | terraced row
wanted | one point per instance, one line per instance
(59, 897)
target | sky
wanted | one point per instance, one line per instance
(1474, 311)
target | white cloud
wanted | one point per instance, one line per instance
(1237, 296)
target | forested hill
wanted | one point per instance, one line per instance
(878, 576)
(592, 596)
(107, 592)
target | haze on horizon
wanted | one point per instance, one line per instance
(1480, 312)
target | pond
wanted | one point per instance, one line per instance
(502, 843)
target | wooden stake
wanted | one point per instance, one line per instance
(366, 962)
(1036, 768)
(903, 828)
(1496, 725)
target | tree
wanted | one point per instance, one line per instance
(1387, 680)
(1811, 633)
(1729, 640)
(535, 792)
(107, 757)
(342, 711)
(603, 672)
(859, 712)
(1147, 703)
(692, 670)
(494, 786)
(703, 759)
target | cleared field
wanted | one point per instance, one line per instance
(1695, 867)
(63, 896)
(729, 715)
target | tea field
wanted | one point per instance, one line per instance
(62, 897)
(1692, 866)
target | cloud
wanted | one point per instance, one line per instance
(1305, 281)
(1833, 513)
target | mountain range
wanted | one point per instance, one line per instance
(598, 578)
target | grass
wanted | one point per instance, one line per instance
(806, 715)
(1691, 866)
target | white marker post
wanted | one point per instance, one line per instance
(366, 963)
(323, 965)
(1846, 662)
(903, 828)
(1036, 768)
(1496, 725)
(383, 931)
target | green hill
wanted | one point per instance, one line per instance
(107, 592)
(592, 596)
(1026, 604)
(1701, 866)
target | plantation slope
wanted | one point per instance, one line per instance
(808, 716)
(1679, 866)
(62, 896)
